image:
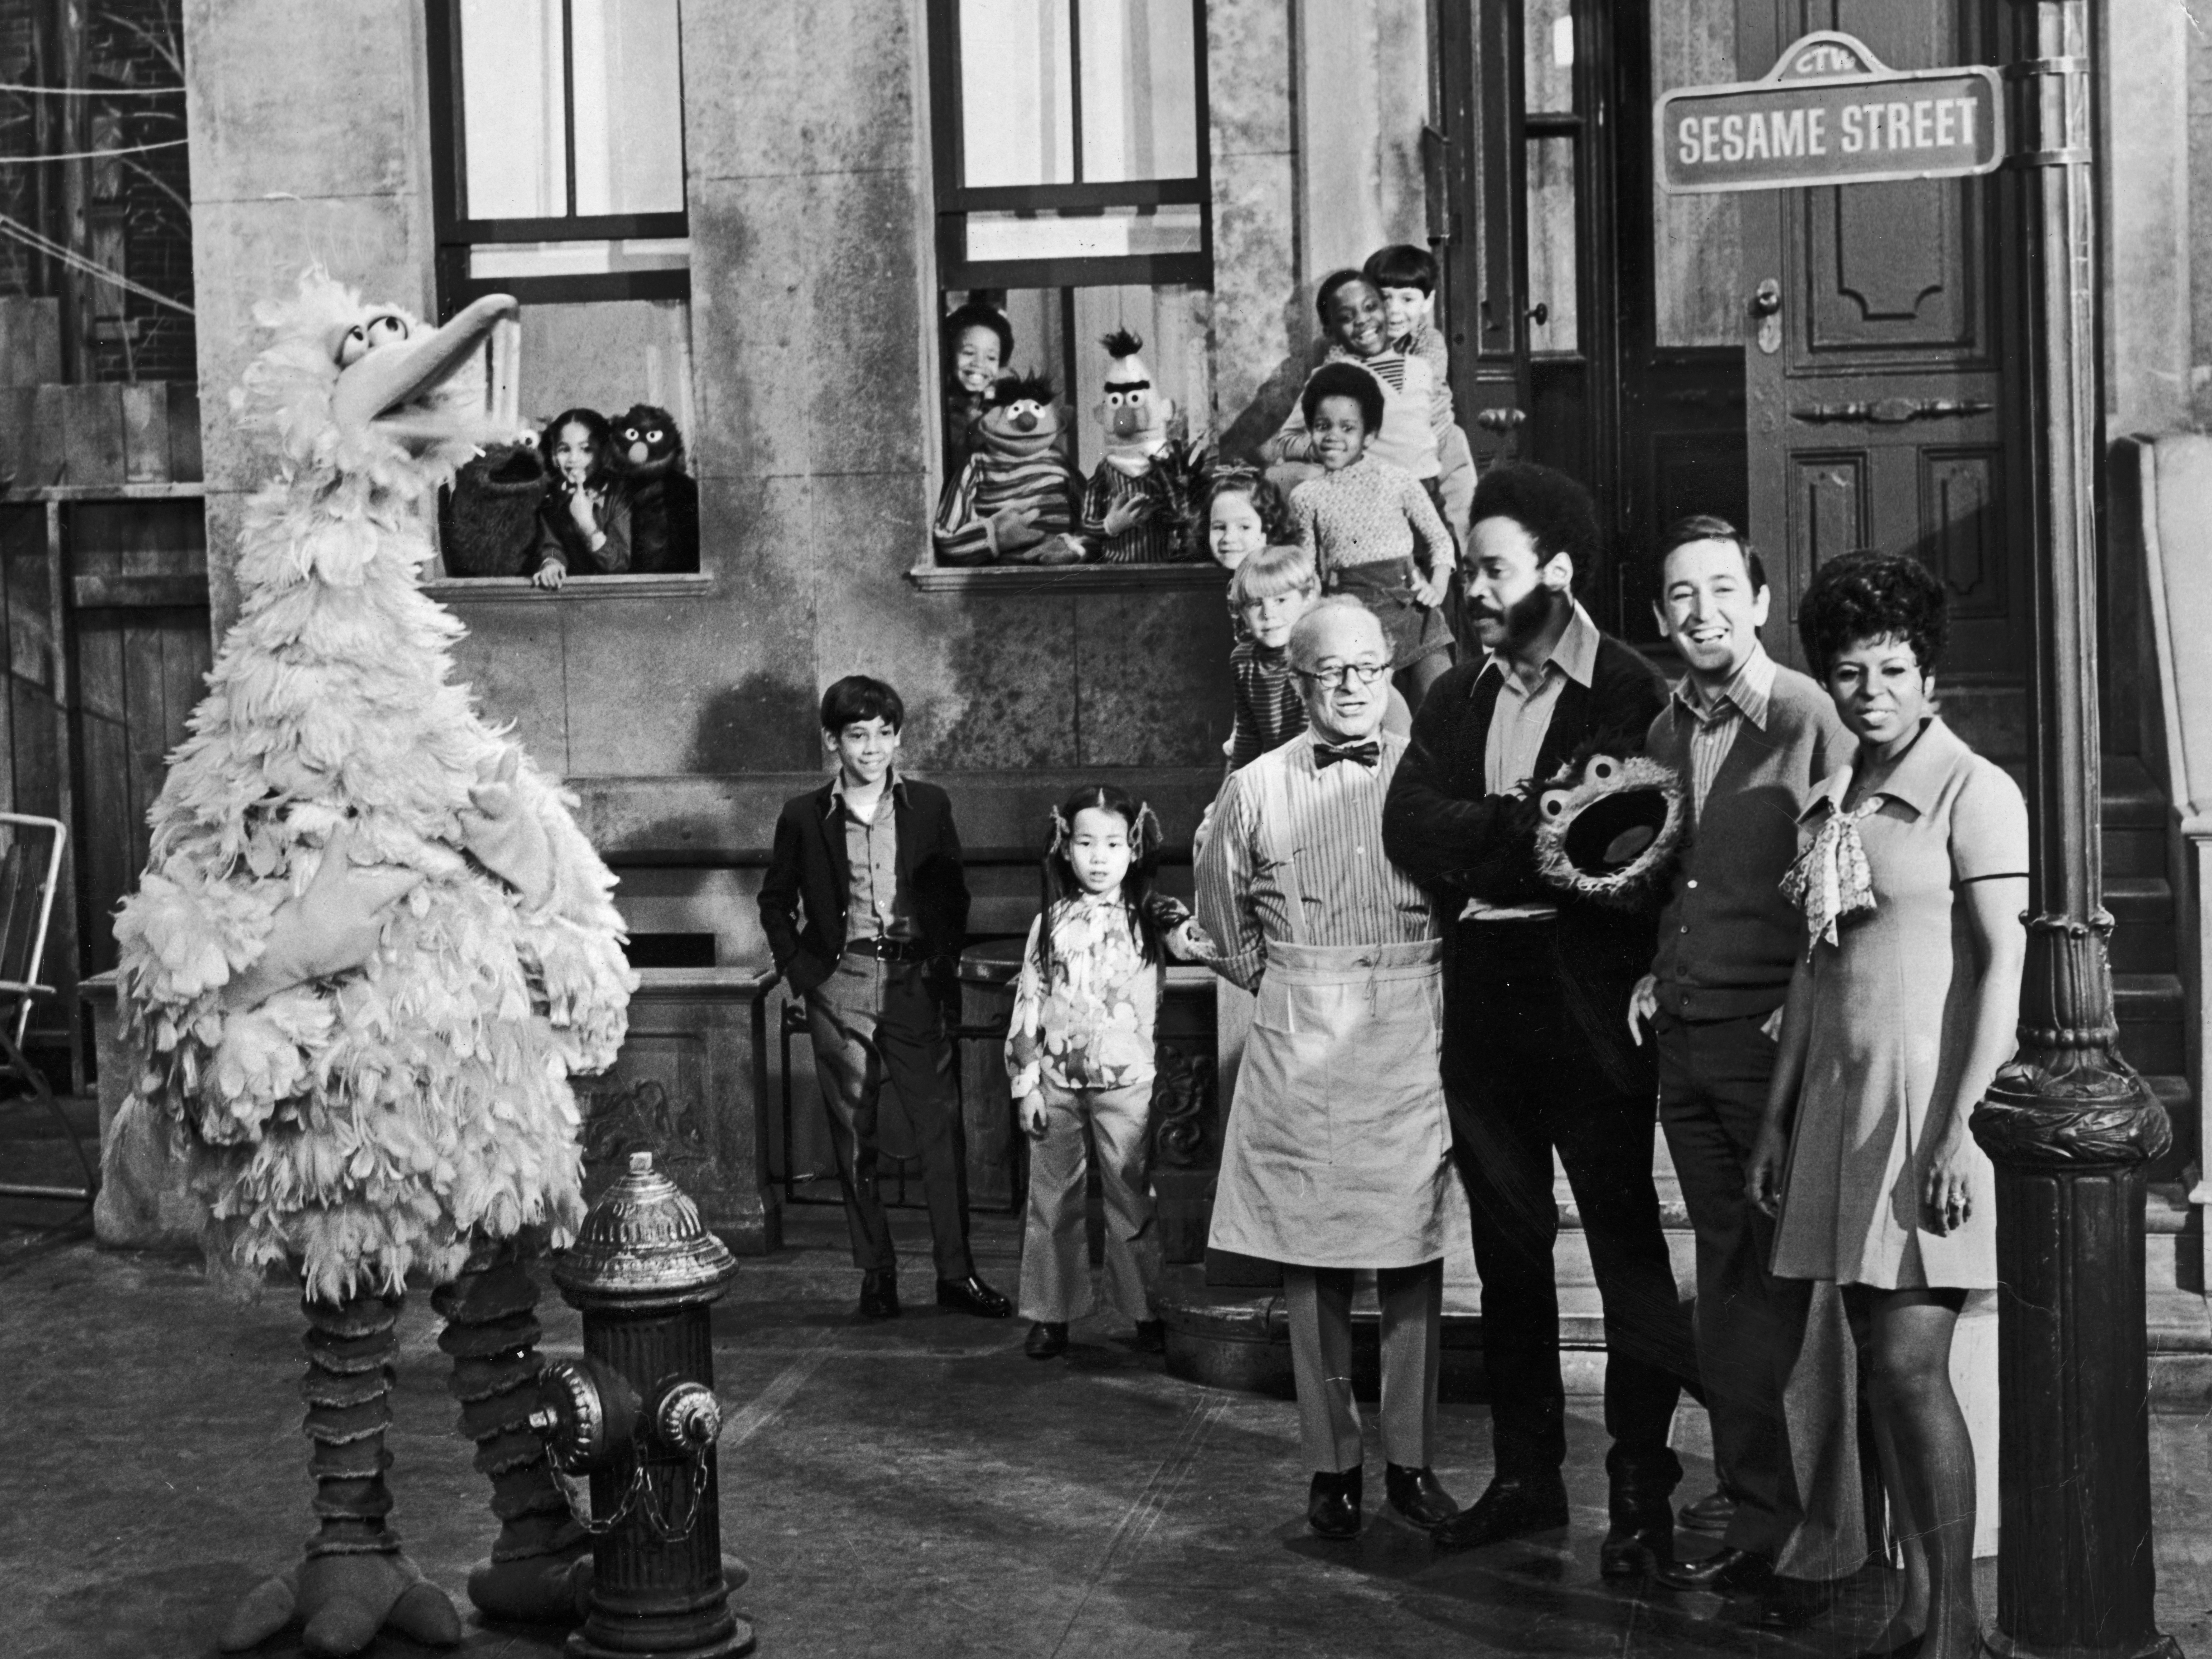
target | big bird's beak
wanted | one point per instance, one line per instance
(387, 387)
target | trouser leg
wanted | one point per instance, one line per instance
(1055, 1284)
(1604, 1137)
(1412, 1354)
(1317, 1302)
(841, 1018)
(917, 1057)
(1713, 1082)
(1120, 1128)
(1506, 1165)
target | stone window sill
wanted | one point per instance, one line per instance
(1013, 579)
(520, 590)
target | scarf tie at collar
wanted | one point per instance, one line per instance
(1831, 880)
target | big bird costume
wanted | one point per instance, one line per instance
(369, 948)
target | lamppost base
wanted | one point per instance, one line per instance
(2156, 1645)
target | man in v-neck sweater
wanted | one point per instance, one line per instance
(1753, 741)
(1537, 1056)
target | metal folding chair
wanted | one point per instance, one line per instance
(27, 881)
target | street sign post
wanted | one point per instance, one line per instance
(1830, 112)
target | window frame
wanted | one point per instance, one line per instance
(455, 234)
(948, 149)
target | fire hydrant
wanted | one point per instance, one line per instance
(638, 1415)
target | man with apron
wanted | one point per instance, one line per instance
(1337, 1155)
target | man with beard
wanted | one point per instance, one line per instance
(1536, 1055)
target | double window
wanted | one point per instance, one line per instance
(560, 175)
(1073, 192)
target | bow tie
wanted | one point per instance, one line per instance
(1326, 754)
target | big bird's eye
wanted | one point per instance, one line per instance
(353, 348)
(385, 330)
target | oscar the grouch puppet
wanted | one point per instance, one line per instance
(1013, 499)
(368, 950)
(1141, 507)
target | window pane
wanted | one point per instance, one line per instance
(607, 354)
(1698, 240)
(510, 106)
(629, 106)
(1017, 107)
(1111, 234)
(1552, 243)
(502, 260)
(1139, 90)
(1547, 55)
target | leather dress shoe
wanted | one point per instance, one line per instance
(1151, 1336)
(1332, 1503)
(1636, 1547)
(1046, 1337)
(1417, 1495)
(971, 1295)
(1512, 1506)
(1710, 1513)
(879, 1296)
(1724, 1573)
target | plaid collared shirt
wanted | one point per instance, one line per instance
(1713, 724)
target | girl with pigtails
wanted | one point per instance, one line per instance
(1079, 1050)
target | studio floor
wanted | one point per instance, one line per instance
(917, 1488)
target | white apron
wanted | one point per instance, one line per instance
(1337, 1152)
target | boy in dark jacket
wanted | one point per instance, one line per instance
(1537, 1056)
(866, 910)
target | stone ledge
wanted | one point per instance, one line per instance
(520, 590)
(1016, 578)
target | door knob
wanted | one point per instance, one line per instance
(1766, 306)
(1541, 314)
(1500, 419)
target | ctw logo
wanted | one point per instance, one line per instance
(1825, 59)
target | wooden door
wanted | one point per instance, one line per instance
(1877, 394)
(138, 621)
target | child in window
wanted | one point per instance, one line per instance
(1406, 436)
(978, 343)
(1360, 521)
(1079, 1050)
(1405, 277)
(583, 528)
(1244, 513)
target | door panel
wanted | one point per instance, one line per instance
(1877, 407)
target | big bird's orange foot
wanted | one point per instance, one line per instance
(343, 1601)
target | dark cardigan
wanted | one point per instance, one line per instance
(1444, 828)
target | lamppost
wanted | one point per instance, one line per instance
(2069, 1123)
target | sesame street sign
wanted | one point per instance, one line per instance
(1830, 112)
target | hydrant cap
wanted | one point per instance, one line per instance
(643, 1242)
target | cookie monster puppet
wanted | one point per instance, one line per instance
(368, 950)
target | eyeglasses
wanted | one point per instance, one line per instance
(1361, 673)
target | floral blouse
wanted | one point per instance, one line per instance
(1092, 1028)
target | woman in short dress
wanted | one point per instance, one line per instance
(1912, 876)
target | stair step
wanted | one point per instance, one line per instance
(2131, 798)
(2134, 851)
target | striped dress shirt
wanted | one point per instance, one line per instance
(1713, 724)
(1353, 894)
(1157, 540)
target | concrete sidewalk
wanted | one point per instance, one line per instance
(916, 1488)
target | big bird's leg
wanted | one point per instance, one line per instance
(354, 1581)
(540, 1567)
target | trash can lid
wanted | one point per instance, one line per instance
(643, 1244)
(995, 963)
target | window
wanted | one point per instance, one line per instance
(559, 179)
(1073, 198)
(560, 172)
(1070, 140)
